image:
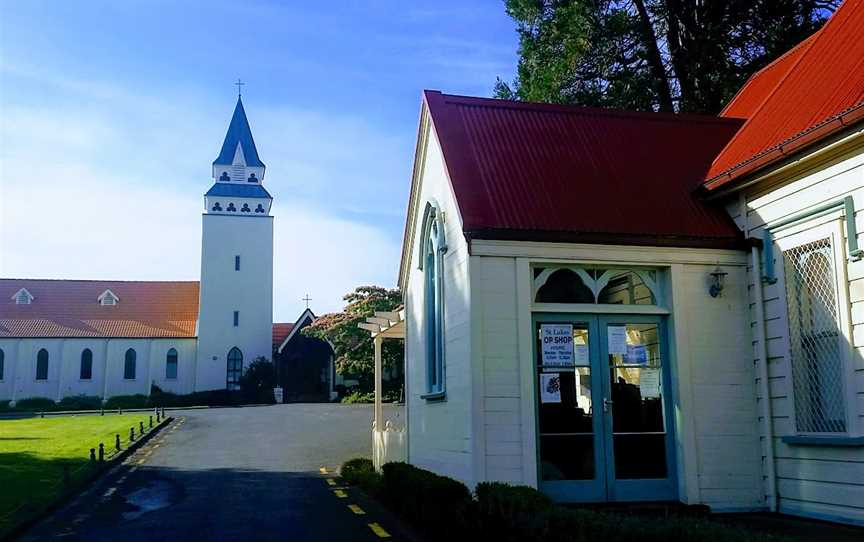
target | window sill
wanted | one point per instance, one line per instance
(435, 396)
(807, 440)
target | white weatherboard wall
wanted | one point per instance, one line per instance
(440, 432)
(225, 290)
(716, 435)
(818, 481)
(109, 356)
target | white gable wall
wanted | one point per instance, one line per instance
(818, 481)
(440, 432)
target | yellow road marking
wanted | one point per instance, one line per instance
(356, 509)
(140, 461)
(379, 530)
(339, 493)
(323, 470)
(331, 482)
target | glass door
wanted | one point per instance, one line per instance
(603, 421)
(636, 414)
(570, 447)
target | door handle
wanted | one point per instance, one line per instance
(606, 403)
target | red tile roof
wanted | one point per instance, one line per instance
(281, 331)
(69, 308)
(813, 91)
(562, 173)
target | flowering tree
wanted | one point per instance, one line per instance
(353, 346)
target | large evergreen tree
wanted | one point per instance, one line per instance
(661, 55)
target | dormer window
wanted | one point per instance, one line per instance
(252, 178)
(224, 177)
(108, 298)
(22, 297)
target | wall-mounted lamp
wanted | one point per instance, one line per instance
(717, 279)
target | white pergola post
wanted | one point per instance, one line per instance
(379, 413)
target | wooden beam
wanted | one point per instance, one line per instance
(388, 315)
(383, 322)
(369, 327)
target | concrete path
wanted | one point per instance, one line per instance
(233, 474)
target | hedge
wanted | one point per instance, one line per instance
(443, 507)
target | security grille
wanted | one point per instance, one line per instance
(815, 338)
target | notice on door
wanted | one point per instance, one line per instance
(557, 342)
(550, 388)
(649, 383)
(617, 339)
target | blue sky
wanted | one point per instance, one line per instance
(112, 112)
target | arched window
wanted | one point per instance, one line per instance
(86, 372)
(235, 368)
(129, 365)
(432, 262)
(595, 285)
(2, 363)
(171, 364)
(42, 365)
(565, 286)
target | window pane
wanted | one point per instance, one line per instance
(625, 288)
(565, 412)
(129, 365)
(171, 364)
(564, 286)
(42, 365)
(86, 364)
(815, 338)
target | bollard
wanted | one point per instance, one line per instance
(163, 412)
(119, 410)
(102, 411)
(41, 414)
(101, 452)
(131, 434)
(157, 416)
(151, 422)
(141, 427)
(117, 441)
(92, 454)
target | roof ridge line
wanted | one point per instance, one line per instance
(585, 110)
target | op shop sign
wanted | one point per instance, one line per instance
(557, 341)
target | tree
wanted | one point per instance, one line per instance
(651, 55)
(258, 381)
(353, 346)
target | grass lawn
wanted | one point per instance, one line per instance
(34, 453)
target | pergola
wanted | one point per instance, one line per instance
(384, 325)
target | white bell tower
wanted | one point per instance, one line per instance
(235, 318)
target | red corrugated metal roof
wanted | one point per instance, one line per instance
(814, 91)
(69, 308)
(563, 173)
(280, 333)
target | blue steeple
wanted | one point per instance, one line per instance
(239, 132)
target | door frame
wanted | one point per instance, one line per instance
(604, 487)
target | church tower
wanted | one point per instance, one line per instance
(235, 318)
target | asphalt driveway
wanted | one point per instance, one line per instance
(232, 474)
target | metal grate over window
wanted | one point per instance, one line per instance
(815, 338)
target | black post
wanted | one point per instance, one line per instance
(102, 411)
(151, 422)
(157, 415)
(141, 427)
(101, 452)
(92, 454)
(119, 410)
(117, 441)
(163, 411)
(131, 434)
(41, 414)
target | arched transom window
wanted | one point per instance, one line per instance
(596, 285)
(129, 364)
(171, 364)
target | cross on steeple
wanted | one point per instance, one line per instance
(239, 84)
(307, 299)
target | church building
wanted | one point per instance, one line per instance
(62, 338)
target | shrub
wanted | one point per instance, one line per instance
(360, 472)
(512, 513)
(435, 504)
(80, 402)
(127, 401)
(258, 381)
(356, 397)
(36, 404)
